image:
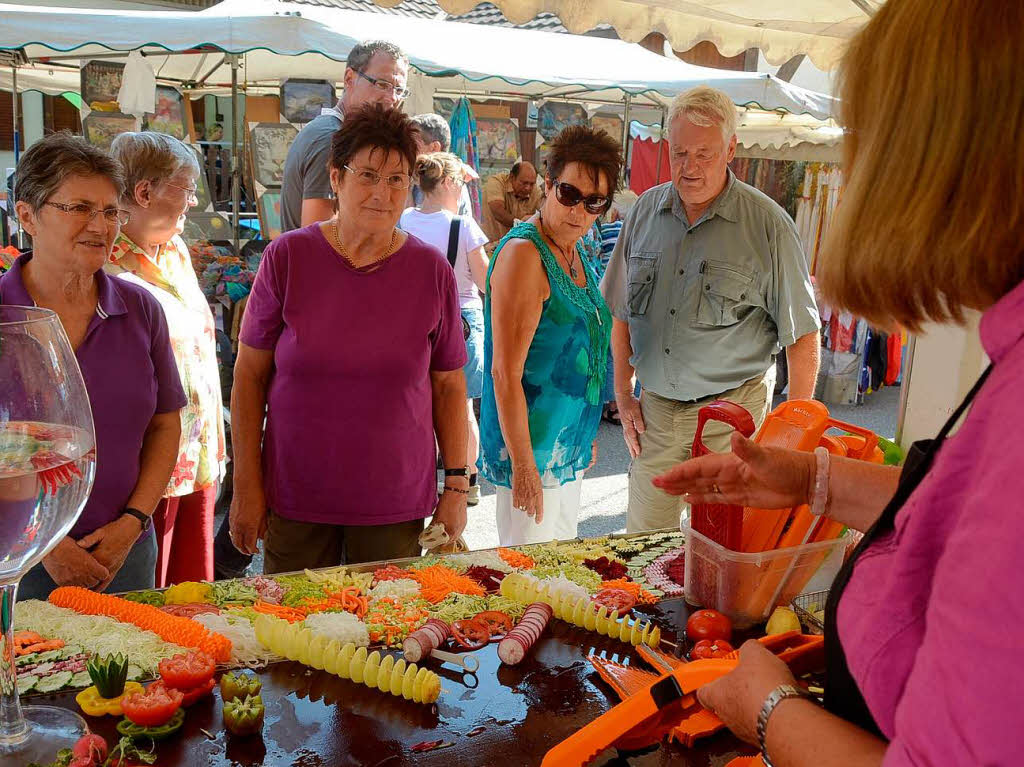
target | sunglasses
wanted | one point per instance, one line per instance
(570, 196)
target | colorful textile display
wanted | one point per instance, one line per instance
(463, 128)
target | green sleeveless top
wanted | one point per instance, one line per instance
(563, 376)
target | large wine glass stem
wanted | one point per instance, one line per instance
(12, 723)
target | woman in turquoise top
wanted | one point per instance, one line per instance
(546, 337)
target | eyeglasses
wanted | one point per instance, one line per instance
(570, 196)
(372, 178)
(192, 192)
(86, 213)
(385, 86)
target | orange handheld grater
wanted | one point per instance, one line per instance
(721, 522)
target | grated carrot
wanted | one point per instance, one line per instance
(643, 596)
(516, 559)
(437, 582)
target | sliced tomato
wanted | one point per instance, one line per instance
(614, 599)
(710, 648)
(188, 670)
(496, 621)
(152, 707)
(471, 634)
(192, 694)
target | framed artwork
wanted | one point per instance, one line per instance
(497, 142)
(444, 106)
(302, 100)
(206, 226)
(610, 124)
(169, 116)
(269, 143)
(202, 183)
(270, 214)
(553, 117)
(101, 127)
(101, 81)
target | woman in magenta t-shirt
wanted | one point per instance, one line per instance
(351, 347)
(925, 623)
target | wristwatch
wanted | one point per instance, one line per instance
(460, 472)
(143, 518)
(775, 697)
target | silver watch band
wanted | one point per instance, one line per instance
(775, 697)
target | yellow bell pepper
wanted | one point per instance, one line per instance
(188, 592)
(91, 703)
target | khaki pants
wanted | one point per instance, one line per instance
(291, 545)
(668, 440)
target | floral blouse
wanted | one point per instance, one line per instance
(171, 279)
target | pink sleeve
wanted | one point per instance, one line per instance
(263, 319)
(962, 700)
(448, 350)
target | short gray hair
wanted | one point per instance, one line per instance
(54, 159)
(433, 127)
(705, 106)
(359, 57)
(151, 156)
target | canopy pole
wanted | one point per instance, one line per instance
(236, 190)
(625, 136)
(17, 154)
(657, 175)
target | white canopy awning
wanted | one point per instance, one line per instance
(279, 40)
(779, 28)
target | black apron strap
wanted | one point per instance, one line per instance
(453, 240)
(842, 696)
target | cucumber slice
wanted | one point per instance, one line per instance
(70, 650)
(40, 657)
(54, 682)
(43, 668)
(81, 679)
(26, 683)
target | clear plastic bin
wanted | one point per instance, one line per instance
(747, 586)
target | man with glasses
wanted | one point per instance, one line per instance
(510, 196)
(376, 73)
(707, 283)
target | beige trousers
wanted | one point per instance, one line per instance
(668, 440)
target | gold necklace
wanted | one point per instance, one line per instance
(570, 264)
(347, 257)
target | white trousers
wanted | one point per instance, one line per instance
(561, 509)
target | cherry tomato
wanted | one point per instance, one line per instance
(153, 707)
(708, 624)
(614, 599)
(710, 648)
(192, 694)
(496, 621)
(92, 746)
(471, 634)
(187, 670)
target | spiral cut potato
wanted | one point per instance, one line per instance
(580, 611)
(384, 673)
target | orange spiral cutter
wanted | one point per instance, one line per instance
(657, 705)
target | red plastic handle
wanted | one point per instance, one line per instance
(735, 415)
(870, 438)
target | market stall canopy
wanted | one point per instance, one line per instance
(279, 40)
(781, 29)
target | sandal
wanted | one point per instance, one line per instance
(611, 414)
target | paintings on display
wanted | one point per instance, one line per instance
(101, 82)
(100, 128)
(270, 214)
(302, 100)
(609, 123)
(497, 143)
(268, 146)
(169, 116)
(553, 117)
(206, 226)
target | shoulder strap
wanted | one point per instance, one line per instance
(453, 240)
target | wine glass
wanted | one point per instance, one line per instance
(47, 466)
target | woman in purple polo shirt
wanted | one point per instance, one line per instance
(68, 195)
(925, 622)
(352, 349)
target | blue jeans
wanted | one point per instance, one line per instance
(474, 368)
(137, 572)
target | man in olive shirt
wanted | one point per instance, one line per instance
(707, 284)
(510, 195)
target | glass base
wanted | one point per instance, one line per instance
(49, 730)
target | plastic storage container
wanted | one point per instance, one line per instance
(747, 586)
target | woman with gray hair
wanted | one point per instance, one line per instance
(161, 174)
(69, 202)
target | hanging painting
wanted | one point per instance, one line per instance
(101, 82)
(270, 214)
(497, 143)
(169, 117)
(609, 123)
(553, 117)
(101, 127)
(302, 100)
(268, 145)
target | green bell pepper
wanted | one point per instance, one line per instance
(239, 685)
(130, 729)
(244, 716)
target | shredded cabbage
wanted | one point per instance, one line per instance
(345, 627)
(491, 559)
(246, 650)
(401, 588)
(98, 634)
